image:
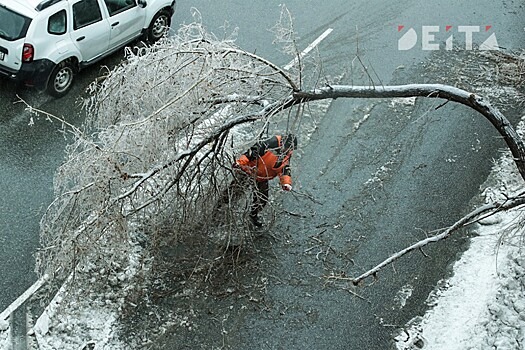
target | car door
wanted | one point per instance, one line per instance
(126, 20)
(91, 31)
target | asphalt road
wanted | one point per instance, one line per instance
(405, 171)
(29, 156)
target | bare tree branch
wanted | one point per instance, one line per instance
(476, 102)
(487, 210)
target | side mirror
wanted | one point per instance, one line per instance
(142, 3)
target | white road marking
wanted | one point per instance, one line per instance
(308, 48)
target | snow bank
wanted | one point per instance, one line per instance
(77, 319)
(86, 325)
(4, 334)
(483, 305)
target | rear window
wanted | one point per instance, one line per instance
(13, 26)
(57, 23)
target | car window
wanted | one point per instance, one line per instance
(57, 23)
(86, 12)
(13, 26)
(117, 6)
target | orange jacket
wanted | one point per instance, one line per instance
(266, 159)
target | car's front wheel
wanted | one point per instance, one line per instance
(61, 79)
(159, 25)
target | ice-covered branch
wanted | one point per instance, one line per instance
(485, 211)
(240, 98)
(476, 102)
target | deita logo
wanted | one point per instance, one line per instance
(430, 37)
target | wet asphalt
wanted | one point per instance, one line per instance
(29, 156)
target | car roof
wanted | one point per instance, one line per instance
(24, 7)
(28, 8)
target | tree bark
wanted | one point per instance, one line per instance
(476, 102)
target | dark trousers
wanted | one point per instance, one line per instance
(260, 197)
(239, 185)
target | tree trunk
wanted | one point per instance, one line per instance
(504, 127)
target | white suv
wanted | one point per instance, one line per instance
(43, 43)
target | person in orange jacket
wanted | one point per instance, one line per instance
(264, 161)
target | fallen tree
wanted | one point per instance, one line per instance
(161, 135)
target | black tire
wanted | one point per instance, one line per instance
(61, 79)
(159, 25)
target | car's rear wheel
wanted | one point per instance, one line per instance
(159, 25)
(61, 79)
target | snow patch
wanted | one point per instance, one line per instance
(482, 305)
(403, 101)
(403, 295)
(463, 301)
(4, 335)
(358, 123)
(84, 325)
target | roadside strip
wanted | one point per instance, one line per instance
(23, 298)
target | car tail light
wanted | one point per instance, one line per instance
(28, 53)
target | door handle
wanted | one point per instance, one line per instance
(81, 38)
(115, 24)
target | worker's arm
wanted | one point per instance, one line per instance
(285, 178)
